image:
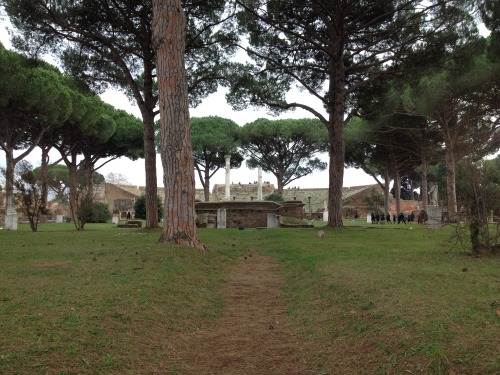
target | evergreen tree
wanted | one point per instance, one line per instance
(331, 50)
(106, 43)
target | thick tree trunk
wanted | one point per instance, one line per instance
(151, 190)
(336, 140)
(397, 190)
(387, 181)
(10, 164)
(73, 194)
(424, 188)
(169, 37)
(206, 184)
(44, 169)
(280, 187)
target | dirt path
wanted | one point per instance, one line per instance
(252, 335)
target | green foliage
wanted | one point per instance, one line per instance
(490, 14)
(212, 139)
(83, 211)
(140, 207)
(285, 148)
(58, 181)
(274, 197)
(478, 195)
(98, 213)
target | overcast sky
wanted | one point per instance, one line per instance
(213, 105)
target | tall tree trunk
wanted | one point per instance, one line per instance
(397, 181)
(336, 137)
(450, 181)
(44, 170)
(279, 180)
(151, 191)
(169, 38)
(10, 164)
(206, 184)
(397, 189)
(424, 188)
(73, 194)
(387, 181)
(71, 162)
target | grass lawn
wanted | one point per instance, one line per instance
(374, 299)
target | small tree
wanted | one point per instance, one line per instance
(285, 148)
(28, 190)
(212, 139)
(478, 195)
(97, 213)
(274, 197)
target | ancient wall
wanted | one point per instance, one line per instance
(239, 192)
(249, 214)
(115, 197)
(314, 200)
(246, 192)
(292, 209)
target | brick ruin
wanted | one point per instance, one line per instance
(251, 214)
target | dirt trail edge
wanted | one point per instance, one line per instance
(252, 335)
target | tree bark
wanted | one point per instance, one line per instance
(44, 170)
(424, 188)
(397, 183)
(279, 180)
(10, 164)
(169, 37)
(151, 190)
(387, 182)
(450, 181)
(336, 134)
(206, 184)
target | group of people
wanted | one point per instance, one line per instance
(401, 218)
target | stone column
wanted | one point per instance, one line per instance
(272, 220)
(227, 191)
(10, 215)
(259, 183)
(434, 217)
(221, 218)
(325, 212)
(59, 216)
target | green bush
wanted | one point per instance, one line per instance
(140, 207)
(98, 213)
(274, 197)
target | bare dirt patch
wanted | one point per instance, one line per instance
(252, 334)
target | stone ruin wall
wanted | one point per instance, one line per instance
(249, 218)
(248, 191)
(319, 198)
